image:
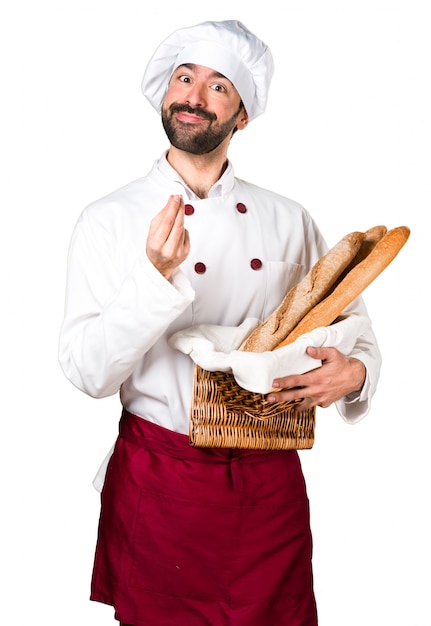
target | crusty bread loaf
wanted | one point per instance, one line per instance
(352, 285)
(305, 295)
(371, 237)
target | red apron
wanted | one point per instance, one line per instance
(202, 537)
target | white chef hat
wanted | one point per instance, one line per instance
(227, 47)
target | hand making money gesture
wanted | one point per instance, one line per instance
(168, 241)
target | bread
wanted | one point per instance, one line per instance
(305, 295)
(371, 237)
(352, 285)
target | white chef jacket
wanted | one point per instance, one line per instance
(248, 247)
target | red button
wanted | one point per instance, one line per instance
(189, 209)
(255, 264)
(241, 208)
(200, 268)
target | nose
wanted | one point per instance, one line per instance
(196, 95)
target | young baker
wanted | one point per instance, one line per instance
(189, 536)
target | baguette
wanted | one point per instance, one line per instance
(305, 295)
(371, 237)
(362, 274)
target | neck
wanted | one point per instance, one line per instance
(199, 171)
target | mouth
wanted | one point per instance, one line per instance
(189, 118)
(187, 115)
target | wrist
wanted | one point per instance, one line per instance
(359, 374)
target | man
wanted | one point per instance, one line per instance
(192, 536)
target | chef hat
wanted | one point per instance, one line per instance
(227, 47)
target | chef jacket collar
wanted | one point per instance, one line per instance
(224, 184)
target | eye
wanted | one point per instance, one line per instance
(219, 87)
(184, 78)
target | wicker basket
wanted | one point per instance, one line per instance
(223, 415)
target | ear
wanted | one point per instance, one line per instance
(242, 120)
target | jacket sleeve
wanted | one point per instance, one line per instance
(116, 308)
(356, 406)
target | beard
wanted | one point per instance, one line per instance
(191, 139)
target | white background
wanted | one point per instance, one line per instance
(347, 133)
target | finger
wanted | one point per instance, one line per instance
(288, 382)
(177, 231)
(287, 395)
(306, 403)
(321, 354)
(186, 243)
(170, 218)
(313, 352)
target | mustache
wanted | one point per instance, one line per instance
(186, 108)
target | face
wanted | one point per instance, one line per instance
(201, 109)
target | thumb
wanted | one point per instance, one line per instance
(315, 353)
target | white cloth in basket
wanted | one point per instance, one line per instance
(215, 348)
